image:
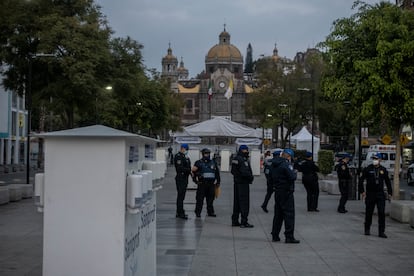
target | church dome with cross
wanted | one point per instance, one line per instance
(224, 54)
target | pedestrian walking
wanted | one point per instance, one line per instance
(310, 180)
(170, 155)
(183, 168)
(269, 186)
(376, 177)
(206, 175)
(243, 177)
(344, 181)
(283, 176)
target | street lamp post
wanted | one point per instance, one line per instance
(313, 119)
(313, 114)
(282, 134)
(28, 99)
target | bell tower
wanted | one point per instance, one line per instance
(169, 65)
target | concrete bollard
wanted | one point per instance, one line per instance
(400, 210)
(333, 187)
(4, 195)
(15, 193)
(402, 194)
(27, 189)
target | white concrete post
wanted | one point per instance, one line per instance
(88, 229)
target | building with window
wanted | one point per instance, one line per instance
(206, 97)
(13, 128)
(406, 4)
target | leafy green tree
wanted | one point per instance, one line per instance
(370, 55)
(138, 102)
(75, 33)
(278, 94)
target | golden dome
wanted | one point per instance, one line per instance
(169, 56)
(222, 51)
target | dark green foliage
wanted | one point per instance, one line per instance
(68, 85)
(371, 64)
(325, 161)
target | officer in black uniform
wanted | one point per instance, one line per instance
(207, 177)
(242, 176)
(376, 176)
(269, 190)
(310, 180)
(283, 176)
(344, 181)
(183, 168)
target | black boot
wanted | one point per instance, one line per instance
(367, 227)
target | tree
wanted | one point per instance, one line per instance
(248, 68)
(75, 32)
(370, 55)
(70, 85)
(277, 93)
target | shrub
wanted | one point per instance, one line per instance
(325, 161)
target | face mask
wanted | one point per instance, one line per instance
(185, 152)
(206, 157)
(246, 154)
(375, 162)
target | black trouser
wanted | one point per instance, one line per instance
(181, 184)
(205, 190)
(269, 193)
(370, 203)
(284, 212)
(312, 192)
(241, 202)
(344, 189)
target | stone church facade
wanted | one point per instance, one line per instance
(223, 69)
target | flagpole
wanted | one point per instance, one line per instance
(210, 95)
(209, 102)
(231, 109)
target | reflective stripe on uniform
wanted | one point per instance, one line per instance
(208, 175)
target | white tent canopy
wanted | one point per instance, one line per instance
(188, 140)
(303, 141)
(219, 127)
(248, 141)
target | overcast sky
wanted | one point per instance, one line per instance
(193, 26)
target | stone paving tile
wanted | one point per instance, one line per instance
(331, 243)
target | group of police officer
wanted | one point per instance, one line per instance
(281, 178)
(280, 174)
(373, 192)
(205, 173)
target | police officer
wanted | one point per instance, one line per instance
(207, 177)
(283, 176)
(344, 181)
(376, 176)
(242, 176)
(183, 168)
(269, 190)
(310, 180)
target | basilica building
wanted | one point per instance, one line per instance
(219, 91)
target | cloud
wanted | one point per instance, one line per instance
(193, 27)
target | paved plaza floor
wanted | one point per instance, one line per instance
(330, 243)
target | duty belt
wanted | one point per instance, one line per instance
(209, 175)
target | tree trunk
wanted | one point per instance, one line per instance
(396, 186)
